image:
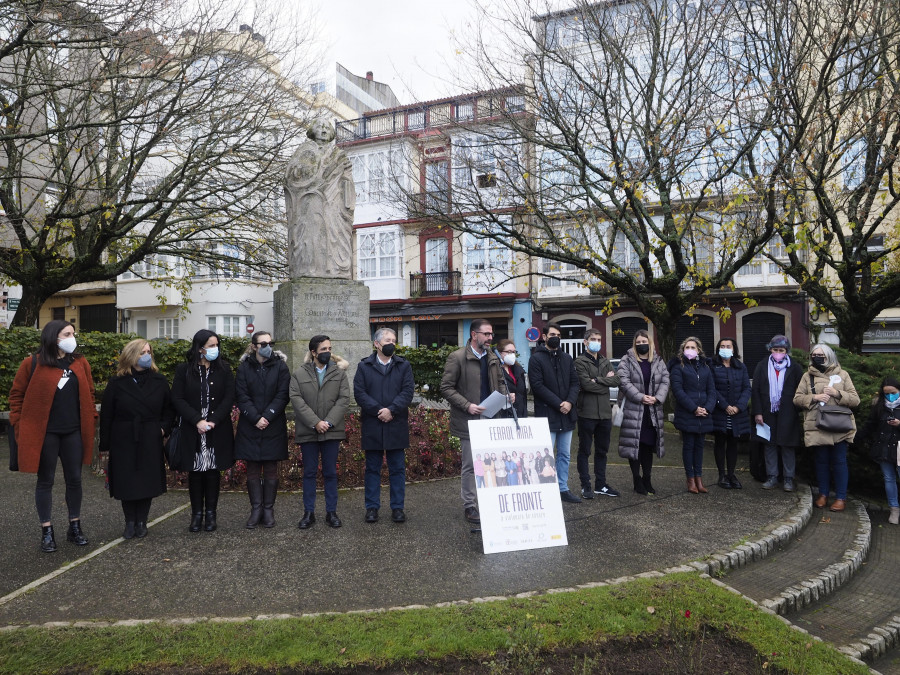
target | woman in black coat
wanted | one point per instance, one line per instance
(262, 389)
(203, 395)
(135, 416)
(695, 398)
(514, 375)
(882, 434)
(731, 418)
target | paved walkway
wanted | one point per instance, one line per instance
(432, 558)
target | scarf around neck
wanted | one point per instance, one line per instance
(776, 382)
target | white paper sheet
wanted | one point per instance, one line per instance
(764, 431)
(493, 404)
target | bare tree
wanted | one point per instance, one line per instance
(638, 134)
(840, 118)
(131, 130)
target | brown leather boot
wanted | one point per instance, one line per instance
(692, 485)
(698, 482)
(821, 501)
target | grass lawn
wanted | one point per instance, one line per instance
(503, 636)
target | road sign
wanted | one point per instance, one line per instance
(12, 304)
(250, 328)
(532, 334)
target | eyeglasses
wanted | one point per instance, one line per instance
(263, 345)
(507, 351)
(486, 334)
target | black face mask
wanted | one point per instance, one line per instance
(553, 342)
(643, 350)
(323, 358)
(388, 349)
(818, 362)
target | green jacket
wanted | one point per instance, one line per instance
(593, 399)
(313, 403)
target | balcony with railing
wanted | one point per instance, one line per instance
(438, 114)
(434, 284)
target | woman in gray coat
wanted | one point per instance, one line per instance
(644, 385)
(320, 395)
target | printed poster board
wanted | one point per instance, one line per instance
(518, 496)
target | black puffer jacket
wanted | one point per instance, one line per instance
(262, 390)
(880, 436)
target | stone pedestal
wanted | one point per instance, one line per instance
(310, 306)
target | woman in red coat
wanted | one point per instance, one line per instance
(52, 412)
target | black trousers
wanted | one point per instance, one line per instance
(203, 487)
(726, 452)
(596, 432)
(136, 510)
(65, 448)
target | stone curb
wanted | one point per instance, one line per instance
(812, 590)
(779, 532)
(875, 644)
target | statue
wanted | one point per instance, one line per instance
(320, 198)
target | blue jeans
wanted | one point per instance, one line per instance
(562, 443)
(692, 453)
(311, 451)
(396, 461)
(890, 471)
(832, 459)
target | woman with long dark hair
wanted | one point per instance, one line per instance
(731, 418)
(135, 416)
(514, 376)
(52, 413)
(203, 395)
(320, 395)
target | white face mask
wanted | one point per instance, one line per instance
(509, 359)
(67, 345)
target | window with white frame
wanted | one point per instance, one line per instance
(482, 254)
(228, 325)
(155, 266)
(168, 329)
(378, 253)
(370, 174)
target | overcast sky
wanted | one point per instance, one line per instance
(405, 43)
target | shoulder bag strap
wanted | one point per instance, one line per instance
(812, 384)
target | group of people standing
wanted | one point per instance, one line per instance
(54, 418)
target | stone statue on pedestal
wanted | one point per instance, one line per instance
(320, 198)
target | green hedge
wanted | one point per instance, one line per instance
(102, 351)
(428, 367)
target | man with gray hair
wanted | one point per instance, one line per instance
(383, 388)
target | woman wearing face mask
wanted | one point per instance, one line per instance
(52, 414)
(882, 431)
(826, 383)
(515, 378)
(695, 399)
(135, 416)
(775, 382)
(320, 395)
(730, 417)
(262, 390)
(643, 387)
(203, 396)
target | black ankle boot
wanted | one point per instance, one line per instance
(648, 486)
(75, 535)
(734, 482)
(724, 482)
(210, 521)
(196, 521)
(639, 487)
(48, 542)
(129, 530)
(140, 529)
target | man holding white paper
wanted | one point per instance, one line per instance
(471, 374)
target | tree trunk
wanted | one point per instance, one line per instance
(30, 305)
(850, 326)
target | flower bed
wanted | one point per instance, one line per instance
(433, 453)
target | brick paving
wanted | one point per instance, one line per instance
(820, 544)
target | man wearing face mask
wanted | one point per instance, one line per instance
(384, 388)
(554, 383)
(775, 382)
(596, 376)
(470, 375)
(262, 391)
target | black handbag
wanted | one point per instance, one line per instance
(835, 418)
(174, 448)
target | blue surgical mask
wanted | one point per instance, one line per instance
(892, 397)
(726, 353)
(594, 347)
(212, 353)
(266, 351)
(145, 361)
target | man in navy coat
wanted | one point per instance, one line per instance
(383, 388)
